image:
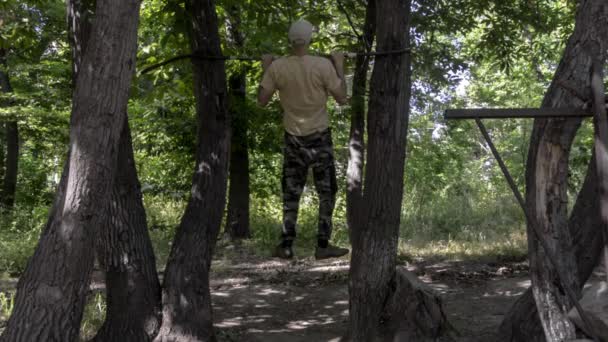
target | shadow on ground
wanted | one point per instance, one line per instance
(263, 299)
(307, 300)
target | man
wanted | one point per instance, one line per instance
(303, 82)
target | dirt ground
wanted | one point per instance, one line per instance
(263, 299)
(260, 299)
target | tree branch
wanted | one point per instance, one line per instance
(350, 21)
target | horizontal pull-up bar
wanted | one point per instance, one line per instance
(251, 58)
(483, 113)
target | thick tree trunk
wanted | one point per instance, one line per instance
(11, 134)
(124, 248)
(522, 322)
(375, 232)
(187, 314)
(52, 291)
(356, 143)
(547, 171)
(237, 222)
(125, 252)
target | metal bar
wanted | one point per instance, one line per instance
(601, 146)
(533, 224)
(497, 113)
(191, 56)
(251, 58)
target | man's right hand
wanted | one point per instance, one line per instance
(266, 61)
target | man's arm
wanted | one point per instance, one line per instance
(339, 93)
(264, 94)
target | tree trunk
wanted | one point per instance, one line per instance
(356, 144)
(124, 248)
(376, 229)
(125, 252)
(52, 291)
(522, 322)
(2, 153)
(11, 134)
(237, 222)
(9, 186)
(547, 171)
(187, 313)
(79, 15)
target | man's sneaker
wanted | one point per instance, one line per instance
(330, 252)
(283, 252)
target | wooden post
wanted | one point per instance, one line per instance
(601, 145)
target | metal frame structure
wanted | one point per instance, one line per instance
(599, 114)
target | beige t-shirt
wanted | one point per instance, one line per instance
(303, 84)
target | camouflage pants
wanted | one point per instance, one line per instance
(300, 153)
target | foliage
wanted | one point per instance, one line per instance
(7, 302)
(465, 54)
(94, 315)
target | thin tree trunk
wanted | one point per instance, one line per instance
(52, 291)
(237, 221)
(356, 144)
(9, 186)
(376, 231)
(547, 172)
(11, 134)
(124, 248)
(79, 17)
(125, 252)
(2, 153)
(187, 313)
(522, 322)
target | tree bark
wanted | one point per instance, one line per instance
(124, 248)
(52, 291)
(413, 312)
(187, 313)
(356, 143)
(125, 253)
(237, 221)
(375, 232)
(546, 178)
(11, 134)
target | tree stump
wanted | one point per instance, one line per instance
(414, 312)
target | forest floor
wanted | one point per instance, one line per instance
(261, 299)
(258, 298)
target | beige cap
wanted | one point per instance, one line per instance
(300, 32)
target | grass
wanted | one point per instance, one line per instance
(512, 247)
(94, 316)
(7, 302)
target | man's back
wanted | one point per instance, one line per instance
(303, 84)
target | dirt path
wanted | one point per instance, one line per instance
(306, 300)
(262, 299)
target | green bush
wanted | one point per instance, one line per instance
(19, 233)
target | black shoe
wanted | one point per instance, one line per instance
(283, 252)
(330, 252)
